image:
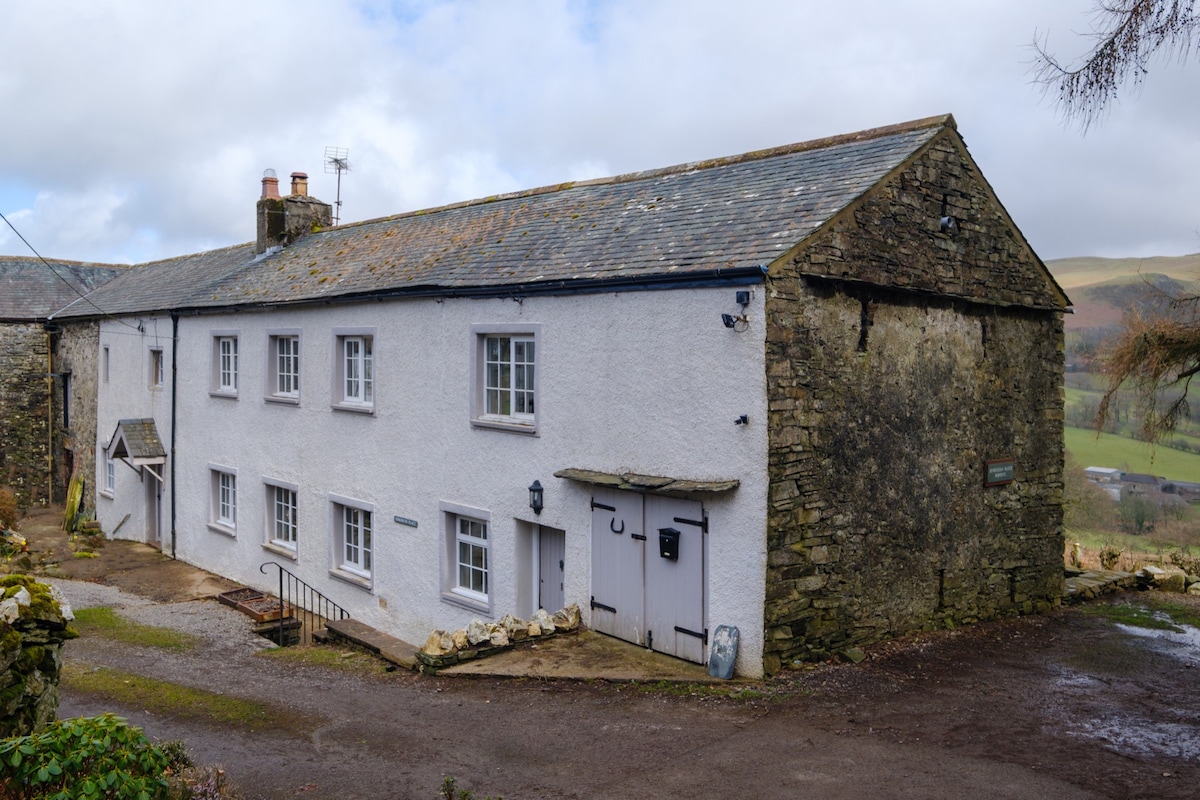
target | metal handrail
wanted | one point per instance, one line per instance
(298, 594)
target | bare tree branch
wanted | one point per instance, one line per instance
(1128, 34)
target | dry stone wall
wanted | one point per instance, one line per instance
(24, 404)
(885, 404)
(34, 621)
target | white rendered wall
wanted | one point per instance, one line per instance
(127, 394)
(647, 382)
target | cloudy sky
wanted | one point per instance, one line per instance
(138, 129)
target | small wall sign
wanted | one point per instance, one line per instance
(412, 523)
(998, 472)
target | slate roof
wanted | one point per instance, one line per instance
(30, 290)
(700, 219)
(138, 441)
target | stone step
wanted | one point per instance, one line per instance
(390, 648)
(1091, 584)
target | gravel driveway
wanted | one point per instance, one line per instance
(1063, 706)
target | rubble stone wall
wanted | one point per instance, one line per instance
(33, 628)
(24, 404)
(885, 403)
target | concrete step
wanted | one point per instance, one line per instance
(390, 648)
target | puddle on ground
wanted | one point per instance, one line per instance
(1141, 737)
(1132, 734)
(1184, 646)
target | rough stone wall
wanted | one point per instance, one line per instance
(77, 351)
(24, 399)
(33, 628)
(884, 405)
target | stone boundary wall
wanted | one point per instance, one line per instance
(24, 403)
(33, 628)
(885, 404)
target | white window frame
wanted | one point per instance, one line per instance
(224, 364)
(353, 561)
(156, 369)
(109, 481)
(223, 500)
(284, 546)
(290, 392)
(453, 590)
(353, 373)
(481, 415)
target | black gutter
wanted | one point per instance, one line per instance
(734, 276)
(174, 407)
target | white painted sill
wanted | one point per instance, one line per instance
(462, 601)
(224, 530)
(354, 408)
(107, 495)
(223, 393)
(283, 401)
(527, 428)
(349, 577)
(281, 550)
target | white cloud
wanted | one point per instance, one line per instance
(164, 115)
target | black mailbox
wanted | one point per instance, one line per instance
(668, 543)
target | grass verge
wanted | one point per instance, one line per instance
(1151, 612)
(173, 700)
(106, 623)
(326, 657)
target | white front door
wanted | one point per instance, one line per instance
(552, 551)
(153, 506)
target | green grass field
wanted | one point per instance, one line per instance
(1130, 455)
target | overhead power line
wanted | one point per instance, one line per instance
(59, 275)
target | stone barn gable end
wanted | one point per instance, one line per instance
(910, 340)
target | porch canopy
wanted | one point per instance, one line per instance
(646, 483)
(137, 443)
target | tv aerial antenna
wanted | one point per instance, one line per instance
(336, 162)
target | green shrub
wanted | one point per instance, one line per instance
(89, 758)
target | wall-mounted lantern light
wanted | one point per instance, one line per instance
(535, 497)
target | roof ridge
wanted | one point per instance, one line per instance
(942, 120)
(190, 255)
(65, 262)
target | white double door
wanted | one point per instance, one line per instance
(648, 558)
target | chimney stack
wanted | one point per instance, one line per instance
(270, 184)
(284, 220)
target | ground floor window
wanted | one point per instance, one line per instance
(353, 539)
(281, 515)
(223, 515)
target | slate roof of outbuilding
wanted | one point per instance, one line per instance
(730, 214)
(30, 290)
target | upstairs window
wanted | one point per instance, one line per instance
(283, 369)
(225, 364)
(354, 370)
(505, 377)
(157, 368)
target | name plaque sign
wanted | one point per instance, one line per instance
(998, 472)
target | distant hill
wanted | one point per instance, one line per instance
(1073, 272)
(1103, 290)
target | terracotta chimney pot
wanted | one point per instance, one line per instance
(300, 184)
(270, 184)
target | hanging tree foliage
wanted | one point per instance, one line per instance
(1128, 34)
(1158, 357)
